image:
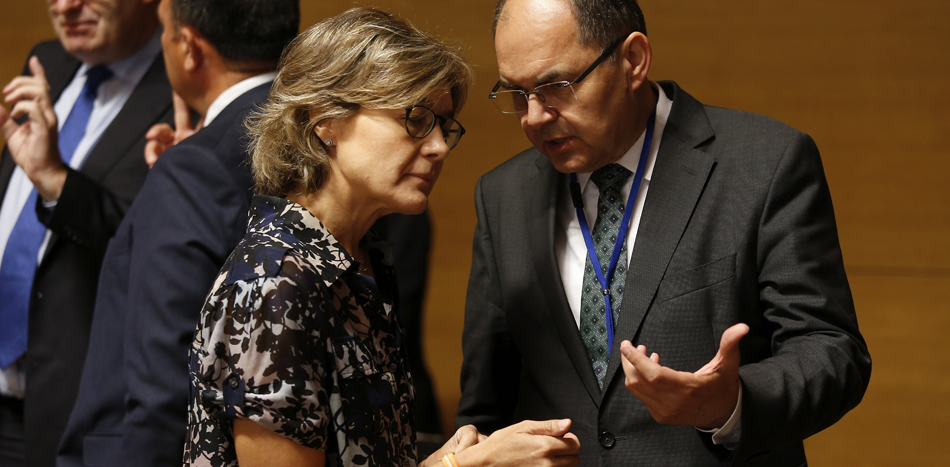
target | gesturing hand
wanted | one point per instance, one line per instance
(704, 399)
(162, 136)
(33, 143)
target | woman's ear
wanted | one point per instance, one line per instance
(325, 129)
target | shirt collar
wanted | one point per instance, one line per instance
(130, 70)
(235, 91)
(293, 225)
(631, 158)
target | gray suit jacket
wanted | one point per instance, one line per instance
(737, 226)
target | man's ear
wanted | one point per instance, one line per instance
(636, 54)
(193, 53)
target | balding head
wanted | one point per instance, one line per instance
(598, 22)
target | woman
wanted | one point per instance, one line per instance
(297, 357)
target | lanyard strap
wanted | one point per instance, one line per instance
(621, 235)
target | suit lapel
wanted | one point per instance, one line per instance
(679, 176)
(540, 217)
(149, 101)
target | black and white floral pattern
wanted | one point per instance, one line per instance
(293, 338)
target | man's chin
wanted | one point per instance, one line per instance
(82, 46)
(568, 162)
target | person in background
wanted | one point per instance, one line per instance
(411, 240)
(299, 356)
(642, 219)
(191, 212)
(71, 168)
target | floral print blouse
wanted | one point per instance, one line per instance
(295, 339)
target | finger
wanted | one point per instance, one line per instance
(153, 149)
(24, 91)
(37, 69)
(182, 113)
(26, 108)
(567, 445)
(21, 81)
(465, 437)
(655, 358)
(728, 354)
(547, 427)
(161, 131)
(6, 123)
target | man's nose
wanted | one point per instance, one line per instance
(537, 114)
(64, 5)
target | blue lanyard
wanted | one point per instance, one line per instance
(621, 236)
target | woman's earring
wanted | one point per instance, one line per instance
(328, 142)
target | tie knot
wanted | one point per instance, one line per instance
(95, 76)
(611, 176)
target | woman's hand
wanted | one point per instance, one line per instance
(464, 438)
(529, 443)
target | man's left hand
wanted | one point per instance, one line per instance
(704, 399)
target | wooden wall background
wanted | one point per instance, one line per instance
(867, 79)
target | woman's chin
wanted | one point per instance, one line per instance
(417, 204)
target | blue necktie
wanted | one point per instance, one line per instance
(23, 247)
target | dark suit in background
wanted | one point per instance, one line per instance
(737, 226)
(411, 237)
(91, 206)
(192, 211)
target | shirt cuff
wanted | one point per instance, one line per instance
(48, 204)
(731, 432)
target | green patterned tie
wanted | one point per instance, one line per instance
(593, 325)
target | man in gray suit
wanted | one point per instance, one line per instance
(644, 224)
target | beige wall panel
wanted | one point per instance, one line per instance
(867, 79)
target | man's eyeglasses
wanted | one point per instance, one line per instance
(421, 120)
(556, 94)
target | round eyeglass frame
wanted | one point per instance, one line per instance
(450, 135)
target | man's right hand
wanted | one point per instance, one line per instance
(33, 143)
(529, 443)
(162, 136)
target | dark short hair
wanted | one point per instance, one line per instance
(241, 30)
(599, 22)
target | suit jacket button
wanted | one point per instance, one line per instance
(234, 383)
(607, 440)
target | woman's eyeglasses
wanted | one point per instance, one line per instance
(421, 120)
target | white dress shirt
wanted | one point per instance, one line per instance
(227, 97)
(571, 250)
(111, 97)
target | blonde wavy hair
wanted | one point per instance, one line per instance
(362, 58)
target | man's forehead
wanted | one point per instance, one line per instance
(535, 42)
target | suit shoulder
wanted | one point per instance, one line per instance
(523, 164)
(750, 126)
(49, 49)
